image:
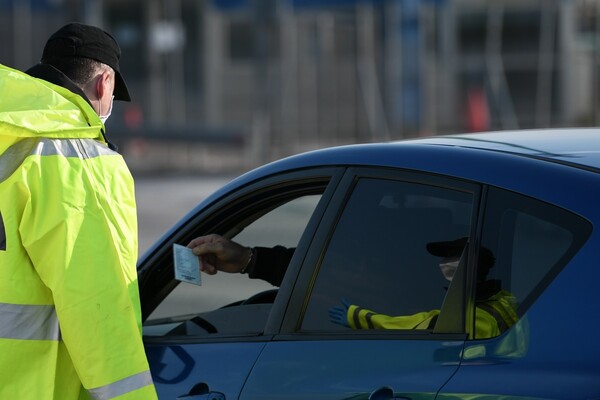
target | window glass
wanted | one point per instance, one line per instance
(377, 257)
(280, 222)
(281, 226)
(531, 242)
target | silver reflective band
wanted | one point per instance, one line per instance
(14, 156)
(28, 322)
(121, 387)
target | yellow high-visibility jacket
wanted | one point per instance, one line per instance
(70, 321)
(493, 316)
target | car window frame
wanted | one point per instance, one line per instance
(290, 329)
(489, 195)
(232, 206)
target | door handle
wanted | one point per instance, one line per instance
(200, 391)
(385, 393)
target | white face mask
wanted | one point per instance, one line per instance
(448, 266)
(104, 118)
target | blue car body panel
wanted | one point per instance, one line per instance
(176, 369)
(552, 352)
(337, 368)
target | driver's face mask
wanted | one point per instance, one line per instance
(448, 266)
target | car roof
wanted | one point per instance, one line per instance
(470, 156)
(579, 147)
(576, 147)
(494, 158)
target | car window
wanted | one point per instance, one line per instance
(377, 256)
(188, 308)
(281, 226)
(531, 242)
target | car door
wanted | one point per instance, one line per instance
(533, 243)
(202, 341)
(370, 249)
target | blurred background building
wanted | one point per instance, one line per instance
(230, 84)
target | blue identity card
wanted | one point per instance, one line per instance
(186, 264)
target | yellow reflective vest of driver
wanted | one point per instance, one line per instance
(70, 321)
(493, 316)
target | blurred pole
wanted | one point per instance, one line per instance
(429, 65)
(393, 67)
(156, 93)
(495, 67)
(326, 87)
(448, 91)
(22, 36)
(546, 55)
(214, 45)
(165, 50)
(261, 121)
(199, 89)
(309, 82)
(175, 65)
(411, 89)
(567, 42)
(290, 134)
(314, 80)
(367, 73)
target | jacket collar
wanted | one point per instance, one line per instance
(53, 75)
(50, 74)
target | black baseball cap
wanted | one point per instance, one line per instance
(80, 40)
(454, 248)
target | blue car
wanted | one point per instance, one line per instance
(364, 225)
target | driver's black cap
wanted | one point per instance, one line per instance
(80, 40)
(454, 248)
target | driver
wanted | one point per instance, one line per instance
(495, 309)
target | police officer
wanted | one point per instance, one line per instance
(70, 321)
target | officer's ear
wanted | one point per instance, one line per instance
(104, 83)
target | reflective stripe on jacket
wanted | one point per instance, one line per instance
(361, 318)
(70, 321)
(492, 317)
(495, 315)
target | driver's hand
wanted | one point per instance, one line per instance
(339, 314)
(218, 253)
